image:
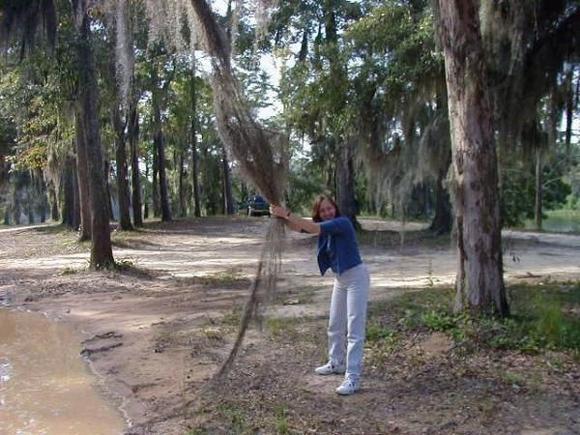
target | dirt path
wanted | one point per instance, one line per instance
(176, 304)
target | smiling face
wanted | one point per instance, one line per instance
(327, 210)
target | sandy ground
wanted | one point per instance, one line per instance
(156, 331)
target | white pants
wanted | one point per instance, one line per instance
(347, 323)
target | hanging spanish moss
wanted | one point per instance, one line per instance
(262, 289)
(261, 154)
(404, 150)
(527, 44)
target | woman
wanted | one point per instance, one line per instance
(338, 251)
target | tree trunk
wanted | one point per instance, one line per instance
(133, 132)
(16, 208)
(209, 176)
(54, 215)
(480, 285)
(345, 194)
(76, 199)
(343, 178)
(82, 178)
(155, 184)
(572, 92)
(195, 176)
(42, 206)
(194, 155)
(101, 250)
(228, 198)
(158, 140)
(539, 189)
(182, 196)
(106, 174)
(145, 196)
(159, 144)
(29, 204)
(122, 171)
(68, 187)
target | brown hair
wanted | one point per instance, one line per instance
(316, 207)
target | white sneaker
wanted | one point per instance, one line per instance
(329, 369)
(348, 387)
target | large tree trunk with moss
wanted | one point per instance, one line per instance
(133, 133)
(101, 251)
(480, 285)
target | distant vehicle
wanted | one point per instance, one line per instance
(258, 206)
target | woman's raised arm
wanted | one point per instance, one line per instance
(295, 223)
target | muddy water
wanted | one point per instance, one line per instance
(45, 387)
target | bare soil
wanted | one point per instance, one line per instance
(157, 330)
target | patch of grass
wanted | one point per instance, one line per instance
(233, 318)
(439, 321)
(512, 378)
(283, 328)
(247, 414)
(282, 420)
(377, 332)
(405, 312)
(235, 416)
(381, 342)
(543, 317)
(294, 330)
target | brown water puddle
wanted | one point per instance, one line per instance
(45, 387)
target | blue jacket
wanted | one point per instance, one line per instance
(337, 246)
